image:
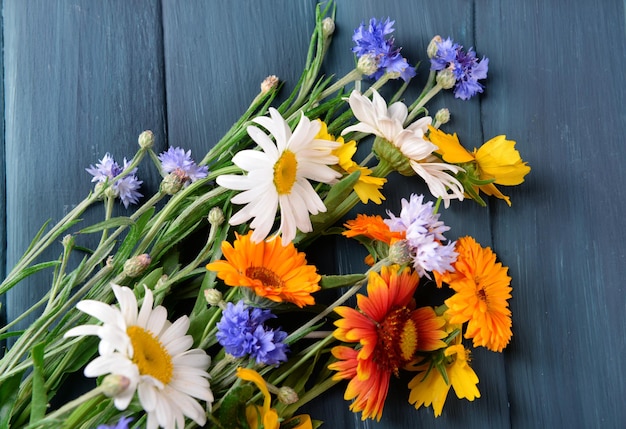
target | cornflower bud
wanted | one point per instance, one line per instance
(213, 297)
(216, 216)
(442, 116)
(400, 253)
(287, 395)
(269, 83)
(68, 241)
(433, 46)
(114, 384)
(445, 78)
(328, 26)
(173, 182)
(368, 64)
(146, 139)
(136, 265)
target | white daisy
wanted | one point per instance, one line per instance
(388, 123)
(154, 354)
(278, 176)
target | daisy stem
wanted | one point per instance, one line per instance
(350, 77)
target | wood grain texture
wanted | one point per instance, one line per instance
(82, 78)
(554, 88)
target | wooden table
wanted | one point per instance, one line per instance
(82, 78)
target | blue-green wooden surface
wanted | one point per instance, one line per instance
(82, 78)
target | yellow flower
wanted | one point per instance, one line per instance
(496, 160)
(276, 272)
(429, 386)
(368, 186)
(254, 413)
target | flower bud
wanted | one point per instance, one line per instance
(136, 265)
(400, 252)
(114, 384)
(368, 64)
(328, 26)
(173, 182)
(213, 297)
(446, 78)
(433, 46)
(287, 395)
(442, 116)
(146, 139)
(109, 192)
(216, 216)
(269, 83)
(68, 241)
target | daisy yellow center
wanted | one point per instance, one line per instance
(285, 172)
(149, 355)
(268, 277)
(397, 340)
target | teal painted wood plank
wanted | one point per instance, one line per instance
(3, 218)
(82, 78)
(554, 87)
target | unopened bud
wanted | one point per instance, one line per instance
(287, 395)
(146, 139)
(433, 46)
(368, 64)
(216, 216)
(114, 384)
(442, 116)
(68, 241)
(446, 78)
(269, 83)
(400, 252)
(174, 181)
(109, 192)
(213, 297)
(136, 265)
(328, 26)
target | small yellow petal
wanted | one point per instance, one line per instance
(498, 159)
(449, 147)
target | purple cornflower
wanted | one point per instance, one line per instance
(121, 424)
(424, 234)
(125, 188)
(242, 332)
(176, 158)
(467, 69)
(370, 40)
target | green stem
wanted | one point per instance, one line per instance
(350, 77)
(422, 102)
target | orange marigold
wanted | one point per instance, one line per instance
(371, 226)
(482, 289)
(276, 272)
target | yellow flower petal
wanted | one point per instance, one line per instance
(269, 415)
(449, 147)
(498, 159)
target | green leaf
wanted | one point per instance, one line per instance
(107, 224)
(39, 397)
(8, 396)
(330, 282)
(232, 413)
(28, 272)
(10, 334)
(133, 236)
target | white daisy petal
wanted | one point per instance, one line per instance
(157, 319)
(128, 303)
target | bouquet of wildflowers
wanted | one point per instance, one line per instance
(200, 308)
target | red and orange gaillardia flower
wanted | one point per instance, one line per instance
(273, 271)
(388, 330)
(482, 289)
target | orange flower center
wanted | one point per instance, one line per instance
(268, 277)
(397, 340)
(285, 171)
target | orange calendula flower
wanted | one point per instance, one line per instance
(496, 160)
(429, 386)
(482, 289)
(371, 226)
(389, 331)
(367, 187)
(276, 272)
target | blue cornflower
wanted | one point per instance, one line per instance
(467, 69)
(371, 41)
(176, 158)
(126, 188)
(424, 236)
(242, 332)
(121, 424)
